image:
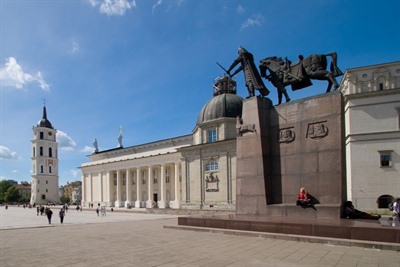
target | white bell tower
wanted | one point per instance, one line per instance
(44, 163)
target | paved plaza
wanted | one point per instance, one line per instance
(138, 239)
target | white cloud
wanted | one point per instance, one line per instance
(12, 75)
(14, 171)
(6, 153)
(75, 172)
(75, 47)
(240, 9)
(157, 4)
(65, 142)
(87, 149)
(113, 7)
(256, 19)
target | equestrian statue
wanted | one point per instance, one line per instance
(299, 74)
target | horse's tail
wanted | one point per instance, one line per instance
(334, 68)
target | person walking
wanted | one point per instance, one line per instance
(61, 214)
(49, 213)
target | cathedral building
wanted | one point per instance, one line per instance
(198, 171)
(44, 163)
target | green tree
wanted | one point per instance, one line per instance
(4, 186)
(25, 198)
(12, 194)
(64, 199)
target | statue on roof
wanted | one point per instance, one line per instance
(120, 137)
(96, 148)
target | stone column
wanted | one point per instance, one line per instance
(109, 188)
(162, 204)
(101, 187)
(83, 200)
(118, 202)
(128, 182)
(90, 187)
(138, 188)
(175, 204)
(149, 202)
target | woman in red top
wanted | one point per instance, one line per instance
(303, 198)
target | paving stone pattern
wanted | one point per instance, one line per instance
(134, 239)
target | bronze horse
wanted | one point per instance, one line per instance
(299, 74)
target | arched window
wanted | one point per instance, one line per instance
(384, 201)
(34, 151)
(212, 165)
(41, 151)
(41, 168)
(50, 152)
(50, 169)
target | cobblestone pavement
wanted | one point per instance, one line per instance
(132, 239)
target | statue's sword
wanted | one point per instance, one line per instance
(222, 68)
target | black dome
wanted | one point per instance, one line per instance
(44, 122)
(220, 106)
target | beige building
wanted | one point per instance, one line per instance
(196, 171)
(372, 123)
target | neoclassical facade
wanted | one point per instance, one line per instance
(196, 171)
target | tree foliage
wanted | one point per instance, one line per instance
(4, 186)
(64, 199)
(12, 194)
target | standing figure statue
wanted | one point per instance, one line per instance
(251, 75)
(96, 148)
(120, 137)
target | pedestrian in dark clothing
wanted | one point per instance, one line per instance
(37, 210)
(49, 213)
(61, 214)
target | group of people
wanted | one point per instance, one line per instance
(49, 213)
(349, 212)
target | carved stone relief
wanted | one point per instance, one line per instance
(244, 128)
(212, 182)
(286, 135)
(317, 130)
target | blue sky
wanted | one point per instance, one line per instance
(148, 66)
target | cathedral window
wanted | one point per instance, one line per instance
(41, 168)
(167, 175)
(50, 169)
(211, 135)
(34, 151)
(41, 151)
(41, 135)
(385, 159)
(47, 182)
(50, 152)
(155, 179)
(212, 165)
